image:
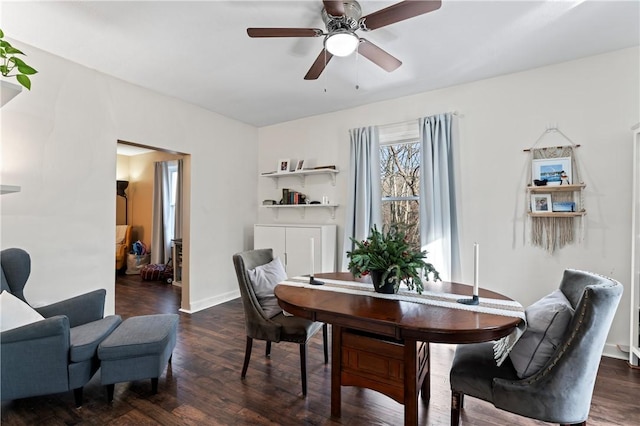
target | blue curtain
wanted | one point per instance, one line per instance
(438, 218)
(364, 205)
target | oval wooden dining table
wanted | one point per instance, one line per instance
(383, 344)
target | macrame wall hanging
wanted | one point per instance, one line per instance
(555, 204)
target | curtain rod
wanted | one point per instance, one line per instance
(455, 112)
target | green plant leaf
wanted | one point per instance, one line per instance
(24, 80)
(1, 34)
(13, 50)
(26, 69)
(4, 70)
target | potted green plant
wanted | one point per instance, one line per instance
(10, 63)
(390, 260)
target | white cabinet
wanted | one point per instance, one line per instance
(292, 244)
(634, 344)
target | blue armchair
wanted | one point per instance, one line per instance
(58, 353)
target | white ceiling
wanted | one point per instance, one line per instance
(200, 52)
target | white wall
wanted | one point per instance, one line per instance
(59, 144)
(594, 101)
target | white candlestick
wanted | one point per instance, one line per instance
(476, 266)
(312, 257)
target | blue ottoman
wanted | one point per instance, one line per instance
(140, 348)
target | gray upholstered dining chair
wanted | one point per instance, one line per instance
(561, 391)
(279, 328)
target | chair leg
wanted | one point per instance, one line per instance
(456, 405)
(110, 389)
(303, 367)
(324, 342)
(77, 396)
(575, 424)
(154, 385)
(268, 349)
(247, 356)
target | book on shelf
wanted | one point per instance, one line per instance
(332, 167)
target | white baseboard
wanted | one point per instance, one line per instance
(612, 351)
(212, 301)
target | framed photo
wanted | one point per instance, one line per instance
(299, 165)
(541, 203)
(284, 165)
(557, 171)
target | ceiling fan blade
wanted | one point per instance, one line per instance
(398, 12)
(378, 56)
(334, 8)
(318, 66)
(284, 32)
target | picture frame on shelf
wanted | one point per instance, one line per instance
(556, 171)
(299, 165)
(541, 203)
(283, 165)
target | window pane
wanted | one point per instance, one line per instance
(400, 184)
(406, 215)
(174, 184)
(400, 170)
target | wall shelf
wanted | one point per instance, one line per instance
(558, 214)
(556, 188)
(302, 207)
(302, 175)
(9, 189)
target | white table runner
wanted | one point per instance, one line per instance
(509, 308)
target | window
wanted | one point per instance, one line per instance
(173, 184)
(400, 185)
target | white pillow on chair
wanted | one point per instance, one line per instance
(15, 313)
(264, 279)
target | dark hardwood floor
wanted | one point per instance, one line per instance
(203, 386)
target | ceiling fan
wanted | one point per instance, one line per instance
(342, 19)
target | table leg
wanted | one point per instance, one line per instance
(410, 383)
(336, 367)
(426, 382)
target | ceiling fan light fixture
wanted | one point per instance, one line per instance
(341, 43)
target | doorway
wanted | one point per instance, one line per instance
(136, 166)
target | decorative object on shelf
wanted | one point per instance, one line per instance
(392, 259)
(269, 202)
(555, 192)
(540, 203)
(554, 171)
(283, 165)
(564, 206)
(9, 62)
(300, 165)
